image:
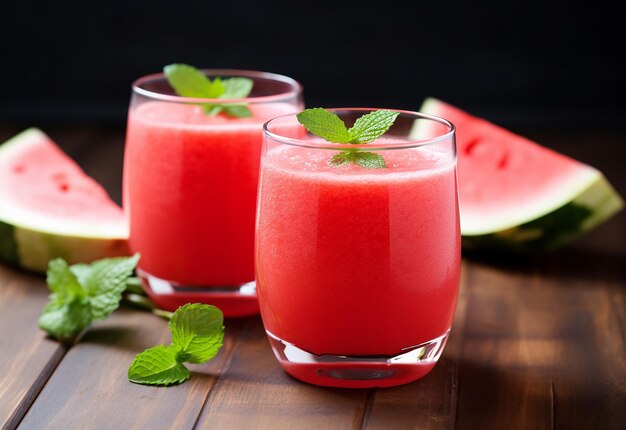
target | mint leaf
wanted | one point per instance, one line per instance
(237, 88)
(68, 310)
(158, 366)
(198, 330)
(343, 157)
(188, 81)
(82, 293)
(372, 125)
(330, 127)
(61, 280)
(367, 128)
(212, 109)
(369, 160)
(239, 111)
(324, 124)
(65, 318)
(106, 282)
(197, 335)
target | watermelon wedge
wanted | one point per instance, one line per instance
(516, 194)
(50, 208)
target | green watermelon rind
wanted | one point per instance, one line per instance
(546, 233)
(27, 244)
(592, 201)
(32, 250)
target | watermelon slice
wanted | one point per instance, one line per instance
(49, 208)
(516, 194)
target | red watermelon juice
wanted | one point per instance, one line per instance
(190, 195)
(358, 269)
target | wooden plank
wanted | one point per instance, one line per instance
(542, 350)
(429, 403)
(27, 357)
(544, 340)
(500, 380)
(255, 393)
(590, 385)
(90, 389)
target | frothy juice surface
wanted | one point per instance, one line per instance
(190, 185)
(355, 261)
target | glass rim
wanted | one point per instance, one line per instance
(413, 143)
(296, 87)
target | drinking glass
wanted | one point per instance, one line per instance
(358, 268)
(190, 187)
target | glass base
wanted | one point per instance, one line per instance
(358, 372)
(234, 301)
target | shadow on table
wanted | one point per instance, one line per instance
(116, 336)
(490, 396)
(570, 263)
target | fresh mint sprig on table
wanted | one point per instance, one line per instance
(197, 335)
(83, 293)
(367, 128)
(188, 81)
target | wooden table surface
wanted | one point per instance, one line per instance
(537, 343)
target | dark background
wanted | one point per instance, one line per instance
(524, 64)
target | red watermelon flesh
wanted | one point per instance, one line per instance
(508, 185)
(53, 207)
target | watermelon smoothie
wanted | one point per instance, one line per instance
(358, 269)
(190, 184)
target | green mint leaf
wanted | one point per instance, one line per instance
(324, 124)
(63, 319)
(340, 158)
(198, 330)
(367, 128)
(61, 280)
(68, 311)
(237, 88)
(188, 81)
(197, 335)
(82, 293)
(212, 109)
(158, 366)
(369, 160)
(106, 282)
(371, 126)
(239, 111)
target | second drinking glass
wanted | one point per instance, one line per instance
(358, 249)
(190, 186)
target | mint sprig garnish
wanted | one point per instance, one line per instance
(83, 293)
(372, 125)
(369, 160)
(197, 335)
(367, 128)
(188, 81)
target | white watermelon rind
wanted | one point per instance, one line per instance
(586, 203)
(590, 208)
(32, 250)
(31, 240)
